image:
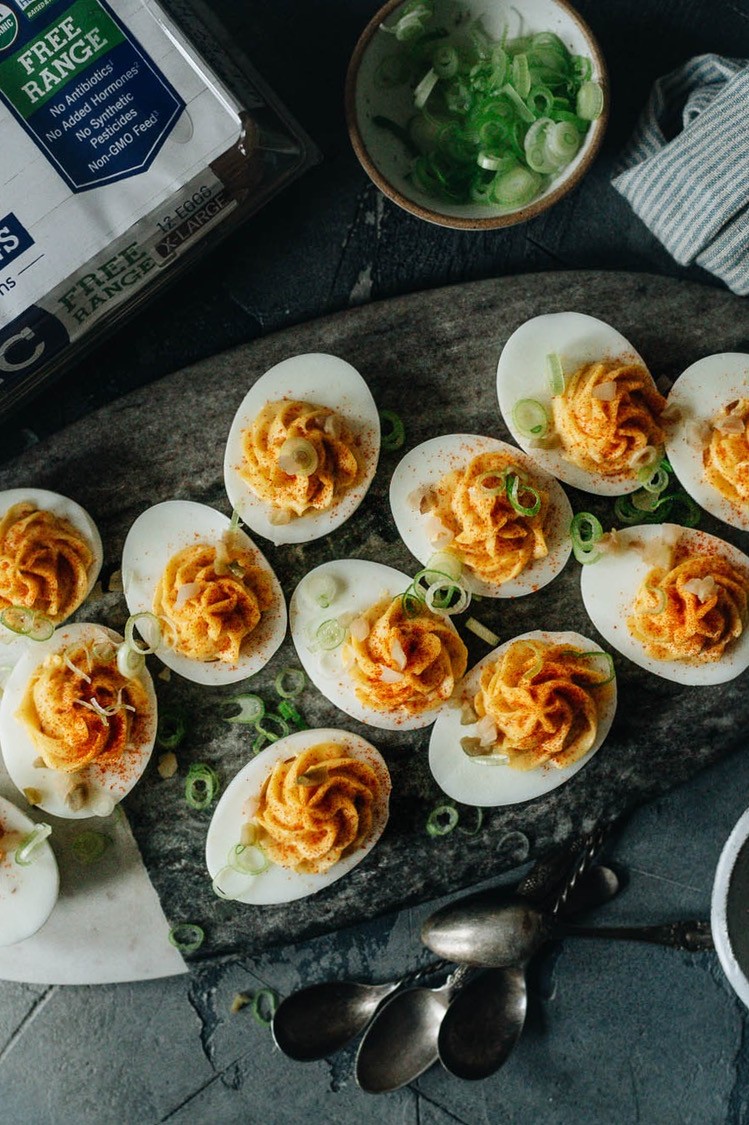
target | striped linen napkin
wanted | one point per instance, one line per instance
(685, 171)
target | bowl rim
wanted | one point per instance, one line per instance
(491, 222)
(735, 975)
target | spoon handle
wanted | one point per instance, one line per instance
(692, 936)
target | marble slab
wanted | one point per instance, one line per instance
(432, 357)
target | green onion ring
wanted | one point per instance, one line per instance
(599, 658)
(497, 475)
(146, 649)
(394, 434)
(186, 937)
(259, 744)
(330, 634)
(171, 728)
(25, 622)
(439, 598)
(289, 712)
(272, 718)
(264, 997)
(660, 596)
(241, 858)
(88, 847)
(514, 488)
(129, 662)
(201, 786)
(442, 820)
(530, 418)
(251, 709)
(290, 682)
(24, 853)
(692, 511)
(477, 827)
(585, 532)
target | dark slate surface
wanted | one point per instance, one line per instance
(431, 356)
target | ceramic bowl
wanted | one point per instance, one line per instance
(386, 159)
(729, 911)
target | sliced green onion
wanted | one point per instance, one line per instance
(129, 662)
(477, 827)
(146, 622)
(201, 786)
(439, 597)
(263, 1007)
(646, 501)
(290, 682)
(321, 588)
(499, 477)
(394, 432)
(589, 101)
(425, 87)
(522, 109)
(172, 728)
(692, 512)
(521, 76)
(289, 712)
(582, 68)
(442, 820)
(654, 480)
(88, 847)
(330, 634)
(481, 631)
(259, 743)
(248, 859)
(585, 532)
(251, 709)
(602, 662)
(530, 418)
(187, 937)
(24, 853)
(562, 142)
(31, 623)
(660, 599)
(555, 373)
(412, 601)
(517, 187)
(516, 489)
(275, 720)
(445, 562)
(234, 521)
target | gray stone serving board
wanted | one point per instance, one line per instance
(431, 357)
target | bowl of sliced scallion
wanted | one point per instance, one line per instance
(476, 114)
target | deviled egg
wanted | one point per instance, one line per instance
(504, 519)
(297, 817)
(673, 600)
(76, 732)
(29, 879)
(579, 398)
(560, 725)
(50, 558)
(302, 449)
(707, 436)
(373, 650)
(219, 605)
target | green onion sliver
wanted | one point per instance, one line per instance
(263, 1007)
(270, 717)
(234, 522)
(556, 373)
(147, 623)
(201, 786)
(172, 728)
(602, 662)
(442, 820)
(654, 480)
(660, 599)
(289, 712)
(290, 682)
(330, 634)
(477, 827)
(88, 847)
(481, 631)
(530, 418)
(25, 622)
(251, 709)
(516, 489)
(24, 853)
(186, 937)
(394, 432)
(248, 859)
(585, 531)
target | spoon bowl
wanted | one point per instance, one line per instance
(483, 1023)
(319, 1020)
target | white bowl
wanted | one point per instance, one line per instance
(384, 157)
(729, 910)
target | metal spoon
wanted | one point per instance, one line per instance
(317, 1021)
(402, 1040)
(485, 1020)
(481, 931)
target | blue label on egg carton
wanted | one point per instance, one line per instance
(84, 89)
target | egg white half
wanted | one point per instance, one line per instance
(108, 786)
(609, 587)
(239, 802)
(522, 374)
(27, 893)
(360, 584)
(11, 644)
(486, 784)
(425, 466)
(700, 393)
(158, 534)
(324, 380)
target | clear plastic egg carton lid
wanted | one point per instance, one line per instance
(127, 154)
